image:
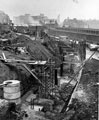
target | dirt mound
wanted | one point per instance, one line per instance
(35, 48)
(38, 51)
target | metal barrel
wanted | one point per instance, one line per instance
(12, 91)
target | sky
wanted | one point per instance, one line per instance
(80, 9)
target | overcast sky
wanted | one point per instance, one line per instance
(83, 9)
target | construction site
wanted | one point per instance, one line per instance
(46, 76)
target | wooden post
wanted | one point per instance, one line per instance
(61, 65)
(61, 69)
(56, 80)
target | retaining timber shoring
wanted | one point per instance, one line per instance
(49, 83)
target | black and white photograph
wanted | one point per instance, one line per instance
(49, 59)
